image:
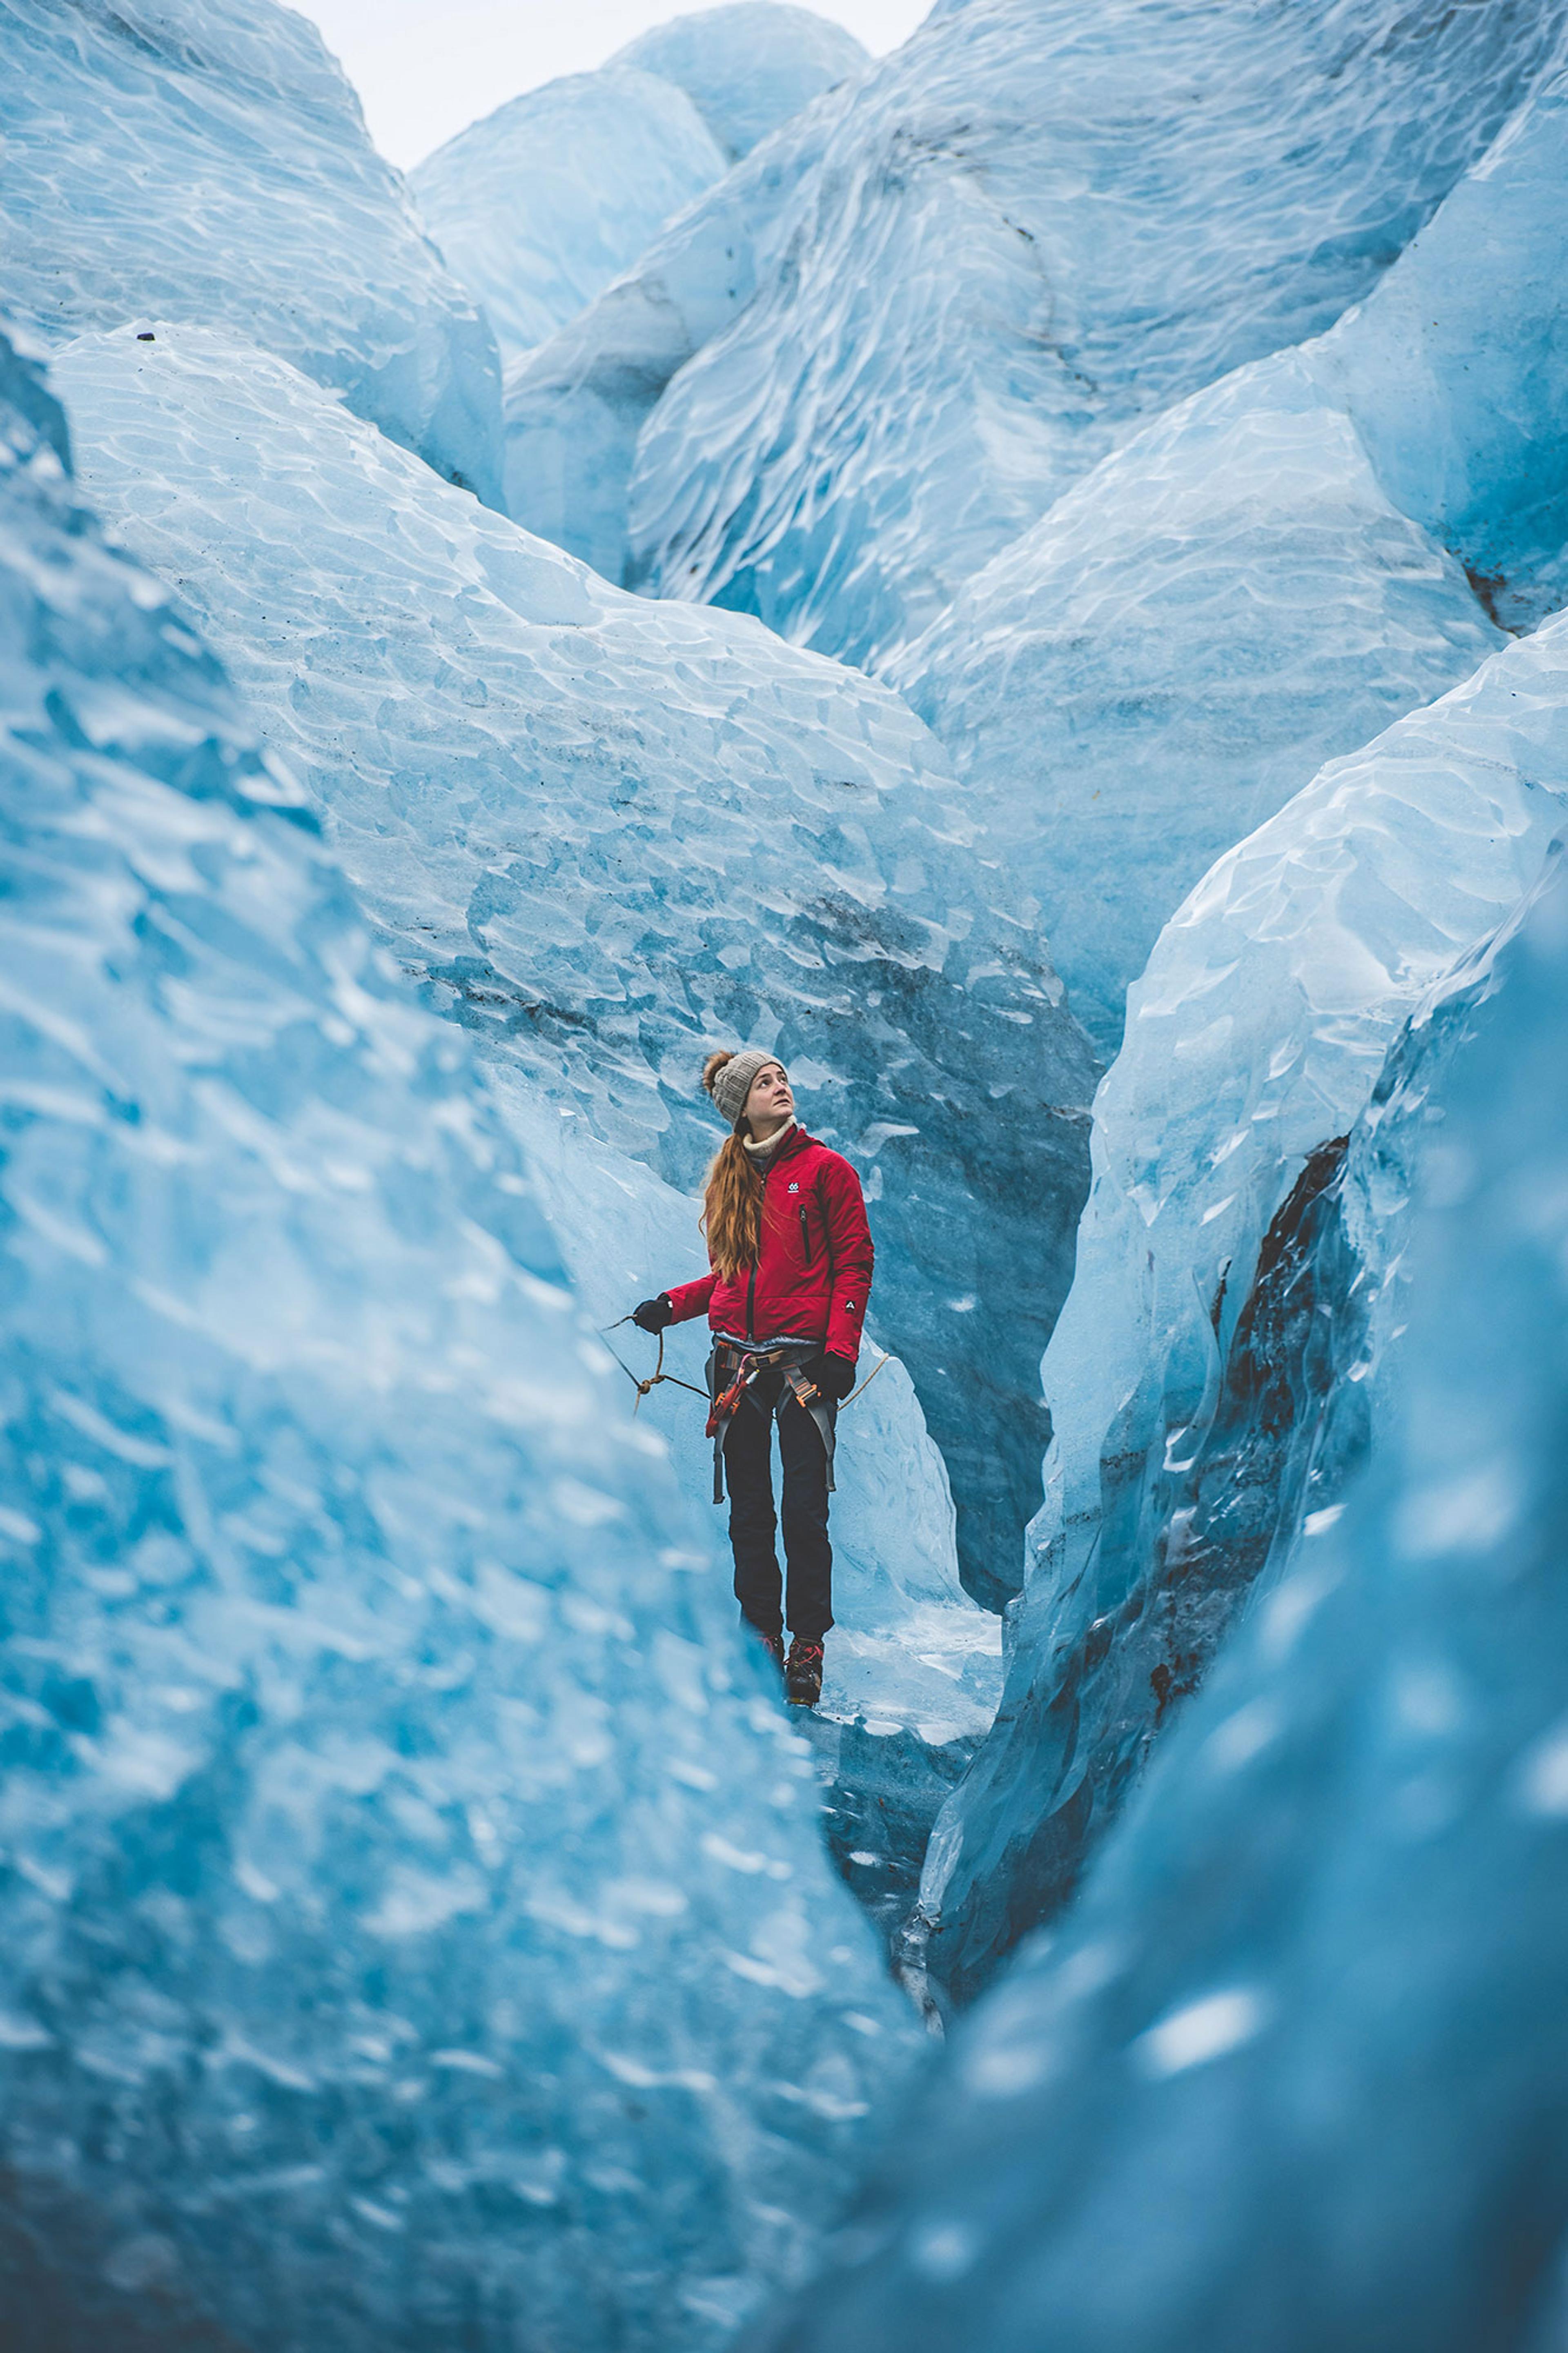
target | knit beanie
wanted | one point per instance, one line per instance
(728, 1079)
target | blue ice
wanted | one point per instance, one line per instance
(1456, 370)
(1255, 1039)
(750, 66)
(1258, 577)
(1174, 650)
(206, 160)
(606, 834)
(1002, 269)
(1254, 1048)
(540, 205)
(414, 1926)
(1287, 2074)
(576, 407)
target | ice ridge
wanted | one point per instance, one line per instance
(1456, 369)
(543, 202)
(999, 273)
(206, 160)
(1208, 1216)
(1175, 649)
(576, 407)
(1255, 1042)
(750, 66)
(1297, 2056)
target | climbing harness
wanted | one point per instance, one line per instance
(738, 1367)
(734, 1366)
(725, 1406)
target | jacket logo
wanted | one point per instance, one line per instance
(794, 1188)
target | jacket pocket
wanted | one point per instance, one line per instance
(804, 1234)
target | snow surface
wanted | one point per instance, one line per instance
(1293, 2073)
(749, 67)
(413, 1918)
(540, 205)
(206, 160)
(1031, 227)
(1256, 1035)
(610, 835)
(576, 407)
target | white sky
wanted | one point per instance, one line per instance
(425, 69)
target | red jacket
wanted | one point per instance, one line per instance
(813, 1273)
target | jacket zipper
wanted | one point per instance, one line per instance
(804, 1234)
(752, 1283)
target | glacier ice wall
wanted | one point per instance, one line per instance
(608, 833)
(1456, 369)
(206, 159)
(540, 205)
(1081, 1710)
(1293, 2075)
(1255, 1041)
(576, 407)
(413, 1922)
(1226, 600)
(1005, 265)
(1174, 648)
(750, 66)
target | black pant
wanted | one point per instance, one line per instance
(747, 1473)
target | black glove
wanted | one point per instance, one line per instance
(833, 1376)
(654, 1315)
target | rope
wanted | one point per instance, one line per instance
(659, 1374)
(645, 1389)
(886, 1359)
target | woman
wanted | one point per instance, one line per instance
(791, 1257)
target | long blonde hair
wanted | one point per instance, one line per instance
(732, 1196)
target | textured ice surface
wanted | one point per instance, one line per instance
(1174, 650)
(547, 200)
(1033, 225)
(882, 1787)
(206, 160)
(1195, 1461)
(574, 407)
(1246, 585)
(748, 67)
(611, 833)
(1456, 370)
(1294, 2074)
(413, 1922)
(1254, 1041)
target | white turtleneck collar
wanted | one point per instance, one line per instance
(765, 1151)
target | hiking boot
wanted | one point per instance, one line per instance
(803, 1673)
(773, 1645)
